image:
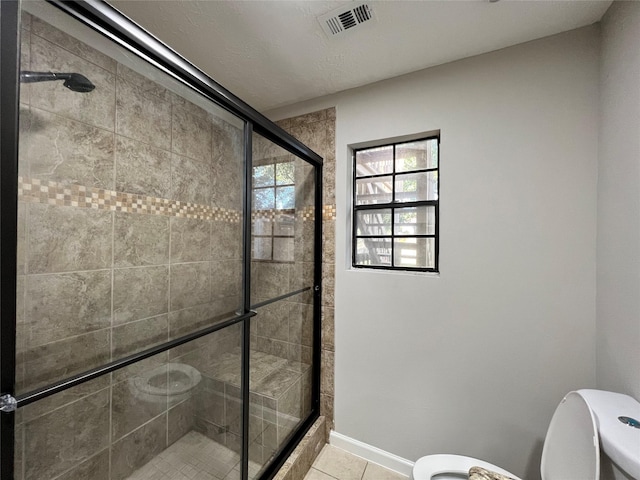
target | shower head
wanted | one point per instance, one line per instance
(73, 81)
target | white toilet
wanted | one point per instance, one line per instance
(173, 382)
(584, 422)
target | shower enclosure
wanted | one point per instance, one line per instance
(160, 261)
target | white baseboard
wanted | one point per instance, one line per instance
(371, 453)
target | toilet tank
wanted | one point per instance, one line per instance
(618, 421)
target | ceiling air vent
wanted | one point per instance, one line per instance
(344, 18)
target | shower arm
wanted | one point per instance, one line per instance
(34, 77)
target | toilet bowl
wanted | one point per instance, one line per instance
(584, 422)
(173, 381)
(452, 467)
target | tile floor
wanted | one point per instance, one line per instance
(336, 464)
(194, 457)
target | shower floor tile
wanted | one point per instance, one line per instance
(193, 457)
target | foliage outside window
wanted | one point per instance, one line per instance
(274, 211)
(395, 206)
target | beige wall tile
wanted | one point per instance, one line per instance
(181, 420)
(63, 305)
(190, 285)
(299, 353)
(190, 240)
(328, 284)
(140, 240)
(144, 84)
(63, 150)
(137, 448)
(138, 368)
(142, 116)
(136, 336)
(21, 235)
(66, 397)
(139, 293)
(24, 129)
(81, 49)
(25, 20)
(187, 320)
(327, 373)
(226, 179)
(328, 240)
(301, 275)
(54, 361)
(191, 133)
(62, 239)
(18, 472)
(312, 136)
(95, 468)
(301, 324)
(142, 168)
(191, 180)
(226, 240)
(226, 277)
(62, 439)
(209, 401)
(269, 280)
(131, 407)
(328, 328)
(25, 60)
(304, 241)
(273, 347)
(271, 321)
(20, 299)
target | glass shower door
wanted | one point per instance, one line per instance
(150, 302)
(129, 237)
(283, 295)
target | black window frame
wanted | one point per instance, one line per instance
(393, 205)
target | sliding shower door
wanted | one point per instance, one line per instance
(282, 294)
(160, 262)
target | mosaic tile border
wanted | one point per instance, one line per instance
(305, 213)
(329, 212)
(55, 193)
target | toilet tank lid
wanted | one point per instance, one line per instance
(621, 442)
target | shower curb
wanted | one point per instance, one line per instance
(300, 461)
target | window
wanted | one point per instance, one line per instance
(274, 211)
(395, 206)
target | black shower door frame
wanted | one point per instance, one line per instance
(118, 28)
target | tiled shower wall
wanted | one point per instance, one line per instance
(317, 130)
(129, 235)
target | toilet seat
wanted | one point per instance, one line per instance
(141, 383)
(431, 465)
(572, 447)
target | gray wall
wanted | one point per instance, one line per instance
(618, 278)
(475, 360)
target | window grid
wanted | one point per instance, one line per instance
(274, 186)
(393, 206)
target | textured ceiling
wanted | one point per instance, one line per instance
(273, 53)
